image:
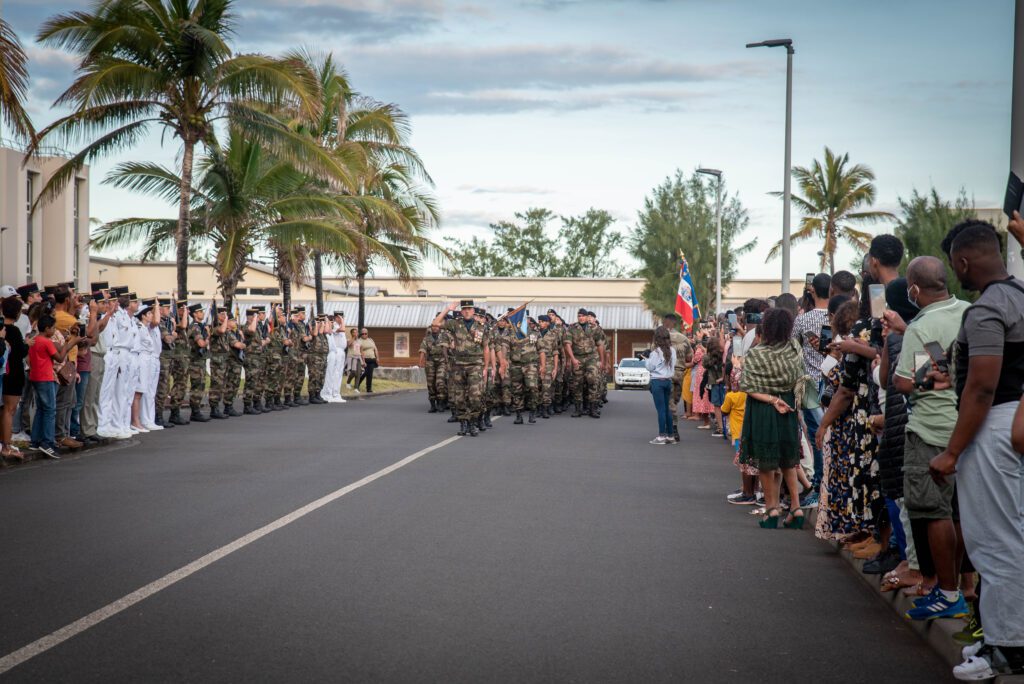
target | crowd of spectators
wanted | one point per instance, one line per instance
(892, 409)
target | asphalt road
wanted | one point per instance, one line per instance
(570, 550)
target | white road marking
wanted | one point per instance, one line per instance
(53, 639)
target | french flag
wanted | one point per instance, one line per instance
(686, 297)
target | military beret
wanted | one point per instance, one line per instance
(582, 312)
(552, 311)
(466, 304)
(543, 318)
(102, 285)
(532, 319)
(478, 310)
(195, 307)
(26, 290)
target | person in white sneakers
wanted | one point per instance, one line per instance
(149, 363)
(115, 400)
(337, 342)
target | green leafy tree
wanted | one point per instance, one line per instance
(168, 64)
(13, 83)
(924, 222)
(834, 199)
(520, 248)
(679, 215)
(588, 244)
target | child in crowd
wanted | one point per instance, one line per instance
(42, 355)
(734, 406)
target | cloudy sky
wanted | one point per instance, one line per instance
(571, 104)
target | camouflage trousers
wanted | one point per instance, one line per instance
(466, 390)
(163, 384)
(505, 388)
(284, 376)
(218, 378)
(197, 377)
(547, 386)
(437, 379)
(587, 379)
(255, 385)
(525, 386)
(317, 373)
(232, 379)
(677, 394)
(297, 375)
(178, 375)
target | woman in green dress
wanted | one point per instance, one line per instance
(774, 379)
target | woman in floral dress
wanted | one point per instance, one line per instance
(701, 401)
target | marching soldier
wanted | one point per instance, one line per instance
(318, 351)
(502, 345)
(432, 358)
(469, 352)
(524, 375)
(606, 365)
(548, 347)
(199, 350)
(584, 350)
(252, 364)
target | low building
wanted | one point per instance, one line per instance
(51, 244)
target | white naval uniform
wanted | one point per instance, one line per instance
(335, 367)
(116, 392)
(149, 374)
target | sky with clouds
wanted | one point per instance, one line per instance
(572, 104)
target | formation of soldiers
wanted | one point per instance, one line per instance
(478, 367)
(202, 348)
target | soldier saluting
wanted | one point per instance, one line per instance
(468, 353)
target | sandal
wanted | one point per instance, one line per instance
(794, 521)
(769, 521)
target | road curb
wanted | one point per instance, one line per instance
(363, 395)
(938, 634)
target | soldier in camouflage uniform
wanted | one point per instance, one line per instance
(168, 335)
(524, 374)
(253, 364)
(548, 346)
(469, 342)
(684, 360)
(562, 388)
(279, 361)
(298, 333)
(502, 346)
(220, 349)
(179, 369)
(199, 350)
(490, 396)
(233, 367)
(434, 362)
(584, 351)
(606, 365)
(320, 347)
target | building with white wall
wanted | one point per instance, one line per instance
(51, 244)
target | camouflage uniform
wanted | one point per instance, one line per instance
(197, 375)
(180, 367)
(492, 387)
(548, 343)
(467, 364)
(436, 366)
(503, 343)
(587, 378)
(297, 367)
(683, 355)
(168, 354)
(219, 352)
(601, 338)
(233, 369)
(277, 364)
(253, 364)
(317, 357)
(524, 374)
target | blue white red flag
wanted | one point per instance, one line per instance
(517, 320)
(686, 296)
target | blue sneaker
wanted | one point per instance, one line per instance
(921, 600)
(939, 607)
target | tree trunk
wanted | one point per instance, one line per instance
(286, 295)
(182, 234)
(361, 278)
(318, 280)
(228, 288)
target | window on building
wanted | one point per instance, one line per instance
(30, 195)
(265, 291)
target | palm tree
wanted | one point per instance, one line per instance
(167, 63)
(245, 199)
(13, 83)
(833, 197)
(368, 135)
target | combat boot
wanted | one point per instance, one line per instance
(480, 423)
(463, 428)
(545, 411)
(197, 416)
(249, 410)
(177, 418)
(519, 418)
(289, 401)
(230, 410)
(487, 419)
(473, 430)
(557, 408)
(579, 411)
(533, 417)
(299, 401)
(452, 418)
(433, 406)
(506, 410)
(158, 418)
(595, 410)
(216, 413)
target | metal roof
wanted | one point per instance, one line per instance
(420, 314)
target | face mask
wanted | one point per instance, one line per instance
(913, 301)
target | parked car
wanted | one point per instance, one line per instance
(631, 373)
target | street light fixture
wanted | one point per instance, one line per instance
(788, 44)
(718, 241)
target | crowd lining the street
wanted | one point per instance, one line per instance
(892, 408)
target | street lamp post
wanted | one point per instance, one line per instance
(718, 242)
(788, 44)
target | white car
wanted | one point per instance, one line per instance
(632, 373)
